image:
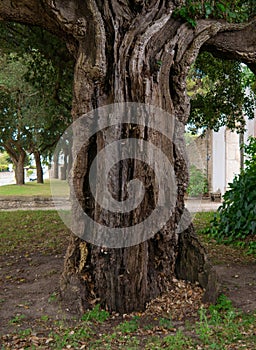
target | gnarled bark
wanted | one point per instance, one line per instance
(129, 52)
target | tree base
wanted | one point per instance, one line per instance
(192, 264)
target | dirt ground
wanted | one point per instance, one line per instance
(29, 291)
(30, 284)
(239, 284)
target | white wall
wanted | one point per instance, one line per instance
(250, 128)
(218, 160)
(233, 156)
(226, 155)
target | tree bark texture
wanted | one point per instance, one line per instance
(134, 52)
(19, 169)
(39, 169)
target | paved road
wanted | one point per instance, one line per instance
(7, 178)
(195, 205)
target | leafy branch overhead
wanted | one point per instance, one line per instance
(233, 11)
(222, 92)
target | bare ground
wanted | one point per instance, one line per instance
(29, 294)
(29, 291)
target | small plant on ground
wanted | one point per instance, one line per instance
(177, 341)
(17, 319)
(71, 338)
(129, 326)
(52, 298)
(96, 314)
(166, 323)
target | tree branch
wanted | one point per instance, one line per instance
(33, 12)
(10, 151)
(235, 42)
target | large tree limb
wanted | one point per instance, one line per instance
(33, 12)
(235, 42)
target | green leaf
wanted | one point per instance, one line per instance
(221, 7)
(208, 9)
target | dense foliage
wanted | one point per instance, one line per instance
(230, 10)
(4, 161)
(43, 78)
(197, 182)
(236, 217)
(35, 90)
(222, 92)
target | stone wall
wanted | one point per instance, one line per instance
(199, 154)
(10, 202)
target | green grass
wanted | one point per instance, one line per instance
(29, 231)
(218, 327)
(220, 252)
(34, 189)
(202, 220)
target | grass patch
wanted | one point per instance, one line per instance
(218, 327)
(30, 231)
(220, 252)
(33, 189)
(96, 314)
(202, 220)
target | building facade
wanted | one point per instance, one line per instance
(218, 155)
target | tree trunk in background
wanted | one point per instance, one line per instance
(131, 52)
(19, 164)
(64, 167)
(39, 169)
(55, 173)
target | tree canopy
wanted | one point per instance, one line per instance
(222, 93)
(36, 87)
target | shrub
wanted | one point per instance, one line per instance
(236, 217)
(4, 161)
(197, 182)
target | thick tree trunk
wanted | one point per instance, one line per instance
(18, 157)
(135, 69)
(39, 169)
(19, 164)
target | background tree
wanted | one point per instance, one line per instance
(222, 93)
(5, 161)
(46, 86)
(12, 137)
(141, 52)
